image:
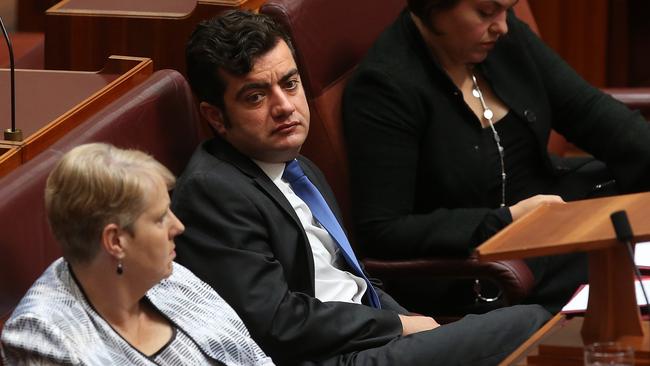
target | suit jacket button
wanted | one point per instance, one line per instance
(530, 116)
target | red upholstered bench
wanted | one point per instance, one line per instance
(158, 116)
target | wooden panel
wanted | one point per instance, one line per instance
(31, 14)
(36, 104)
(81, 34)
(9, 158)
(618, 68)
(606, 41)
(629, 51)
(639, 43)
(51, 103)
(578, 31)
(126, 8)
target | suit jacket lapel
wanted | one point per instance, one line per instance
(224, 151)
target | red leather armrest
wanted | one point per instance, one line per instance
(513, 276)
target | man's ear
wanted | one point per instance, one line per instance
(214, 116)
(113, 240)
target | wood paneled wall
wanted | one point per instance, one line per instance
(606, 41)
(578, 31)
(31, 14)
(629, 43)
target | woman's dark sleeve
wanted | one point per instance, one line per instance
(591, 119)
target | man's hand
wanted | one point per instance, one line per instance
(416, 324)
(525, 206)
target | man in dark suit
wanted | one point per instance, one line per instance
(253, 235)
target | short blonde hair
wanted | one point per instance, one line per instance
(94, 185)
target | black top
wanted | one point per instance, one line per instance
(525, 171)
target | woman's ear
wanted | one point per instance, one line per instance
(113, 240)
(215, 117)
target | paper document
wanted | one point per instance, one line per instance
(642, 255)
(579, 301)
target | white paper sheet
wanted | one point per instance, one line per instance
(642, 255)
(579, 302)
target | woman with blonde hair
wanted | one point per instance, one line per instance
(116, 297)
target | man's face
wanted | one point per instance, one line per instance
(266, 116)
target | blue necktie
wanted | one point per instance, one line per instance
(320, 209)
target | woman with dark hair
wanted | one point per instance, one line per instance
(116, 297)
(447, 121)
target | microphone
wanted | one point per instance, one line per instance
(11, 134)
(622, 226)
(624, 235)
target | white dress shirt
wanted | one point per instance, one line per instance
(332, 283)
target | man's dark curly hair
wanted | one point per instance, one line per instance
(424, 9)
(231, 42)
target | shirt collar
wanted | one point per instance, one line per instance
(273, 170)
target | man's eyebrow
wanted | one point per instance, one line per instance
(250, 86)
(291, 73)
(264, 85)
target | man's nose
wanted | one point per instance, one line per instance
(282, 104)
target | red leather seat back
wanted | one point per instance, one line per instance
(25, 239)
(158, 116)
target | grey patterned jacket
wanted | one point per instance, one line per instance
(55, 324)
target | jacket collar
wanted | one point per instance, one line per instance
(227, 153)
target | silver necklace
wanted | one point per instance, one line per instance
(488, 114)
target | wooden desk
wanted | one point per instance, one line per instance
(51, 103)
(612, 312)
(80, 34)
